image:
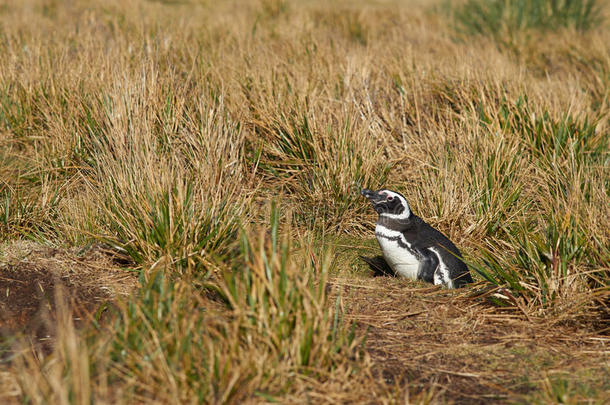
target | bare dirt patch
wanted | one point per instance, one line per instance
(33, 277)
(464, 348)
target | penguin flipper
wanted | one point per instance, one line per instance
(454, 274)
(428, 265)
(379, 266)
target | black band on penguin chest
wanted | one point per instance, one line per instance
(401, 244)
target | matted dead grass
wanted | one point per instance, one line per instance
(464, 349)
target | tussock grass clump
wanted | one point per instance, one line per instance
(264, 329)
(173, 195)
(551, 138)
(501, 19)
(543, 268)
(322, 162)
(549, 246)
(539, 32)
(24, 211)
(322, 171)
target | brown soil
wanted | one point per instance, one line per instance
(34, 277)
(464, 348)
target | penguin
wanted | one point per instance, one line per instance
(412, 248)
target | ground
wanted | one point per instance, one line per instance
(453, 346)
(34, 277)
(470, 350)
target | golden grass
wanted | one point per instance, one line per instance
(164, 129)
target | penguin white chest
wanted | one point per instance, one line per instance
(396, 253)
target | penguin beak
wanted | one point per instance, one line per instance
(373, 196)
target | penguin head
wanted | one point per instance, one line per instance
(388, 203)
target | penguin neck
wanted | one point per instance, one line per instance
(395, 224)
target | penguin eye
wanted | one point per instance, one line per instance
(390, 198)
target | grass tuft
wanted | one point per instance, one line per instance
(502, 19)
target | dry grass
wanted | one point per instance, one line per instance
(166, 130)
(474, 353)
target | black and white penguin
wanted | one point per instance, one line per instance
(412, 248)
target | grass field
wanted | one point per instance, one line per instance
(180, 217)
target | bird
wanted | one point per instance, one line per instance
(412, 248)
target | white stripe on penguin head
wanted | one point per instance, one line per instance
(406, 213)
